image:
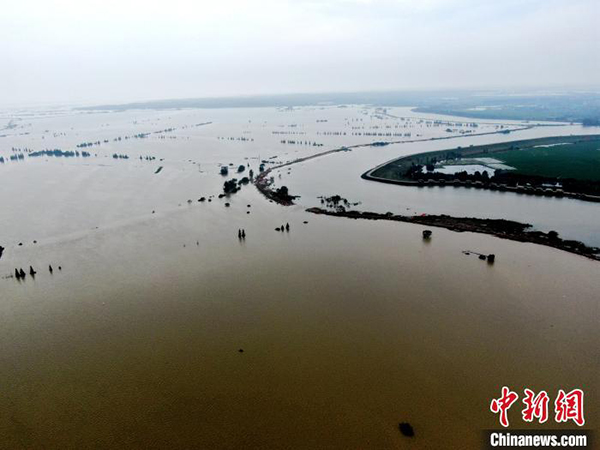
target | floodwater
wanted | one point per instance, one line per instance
(347, 327)
(339, 174)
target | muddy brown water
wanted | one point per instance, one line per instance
(348, 327)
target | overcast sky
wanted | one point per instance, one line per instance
(116, 51)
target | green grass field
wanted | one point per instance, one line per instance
(580, 160)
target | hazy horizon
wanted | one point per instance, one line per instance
(111, 52)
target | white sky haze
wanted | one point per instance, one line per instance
(118, 51)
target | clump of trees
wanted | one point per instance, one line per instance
(504, 177)
(283, 194)
(337, 202)
(233, 185)
(230, 186)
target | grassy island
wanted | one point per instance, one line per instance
(552, 166)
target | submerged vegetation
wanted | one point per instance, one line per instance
(58, 153)
(337, 202)
(232, 186)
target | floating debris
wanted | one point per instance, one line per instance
(491, 258)
(427, 234)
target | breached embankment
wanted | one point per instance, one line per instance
(502, 228)
(505, 229)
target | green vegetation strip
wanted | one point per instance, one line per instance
(560, 166)
(516, 151)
